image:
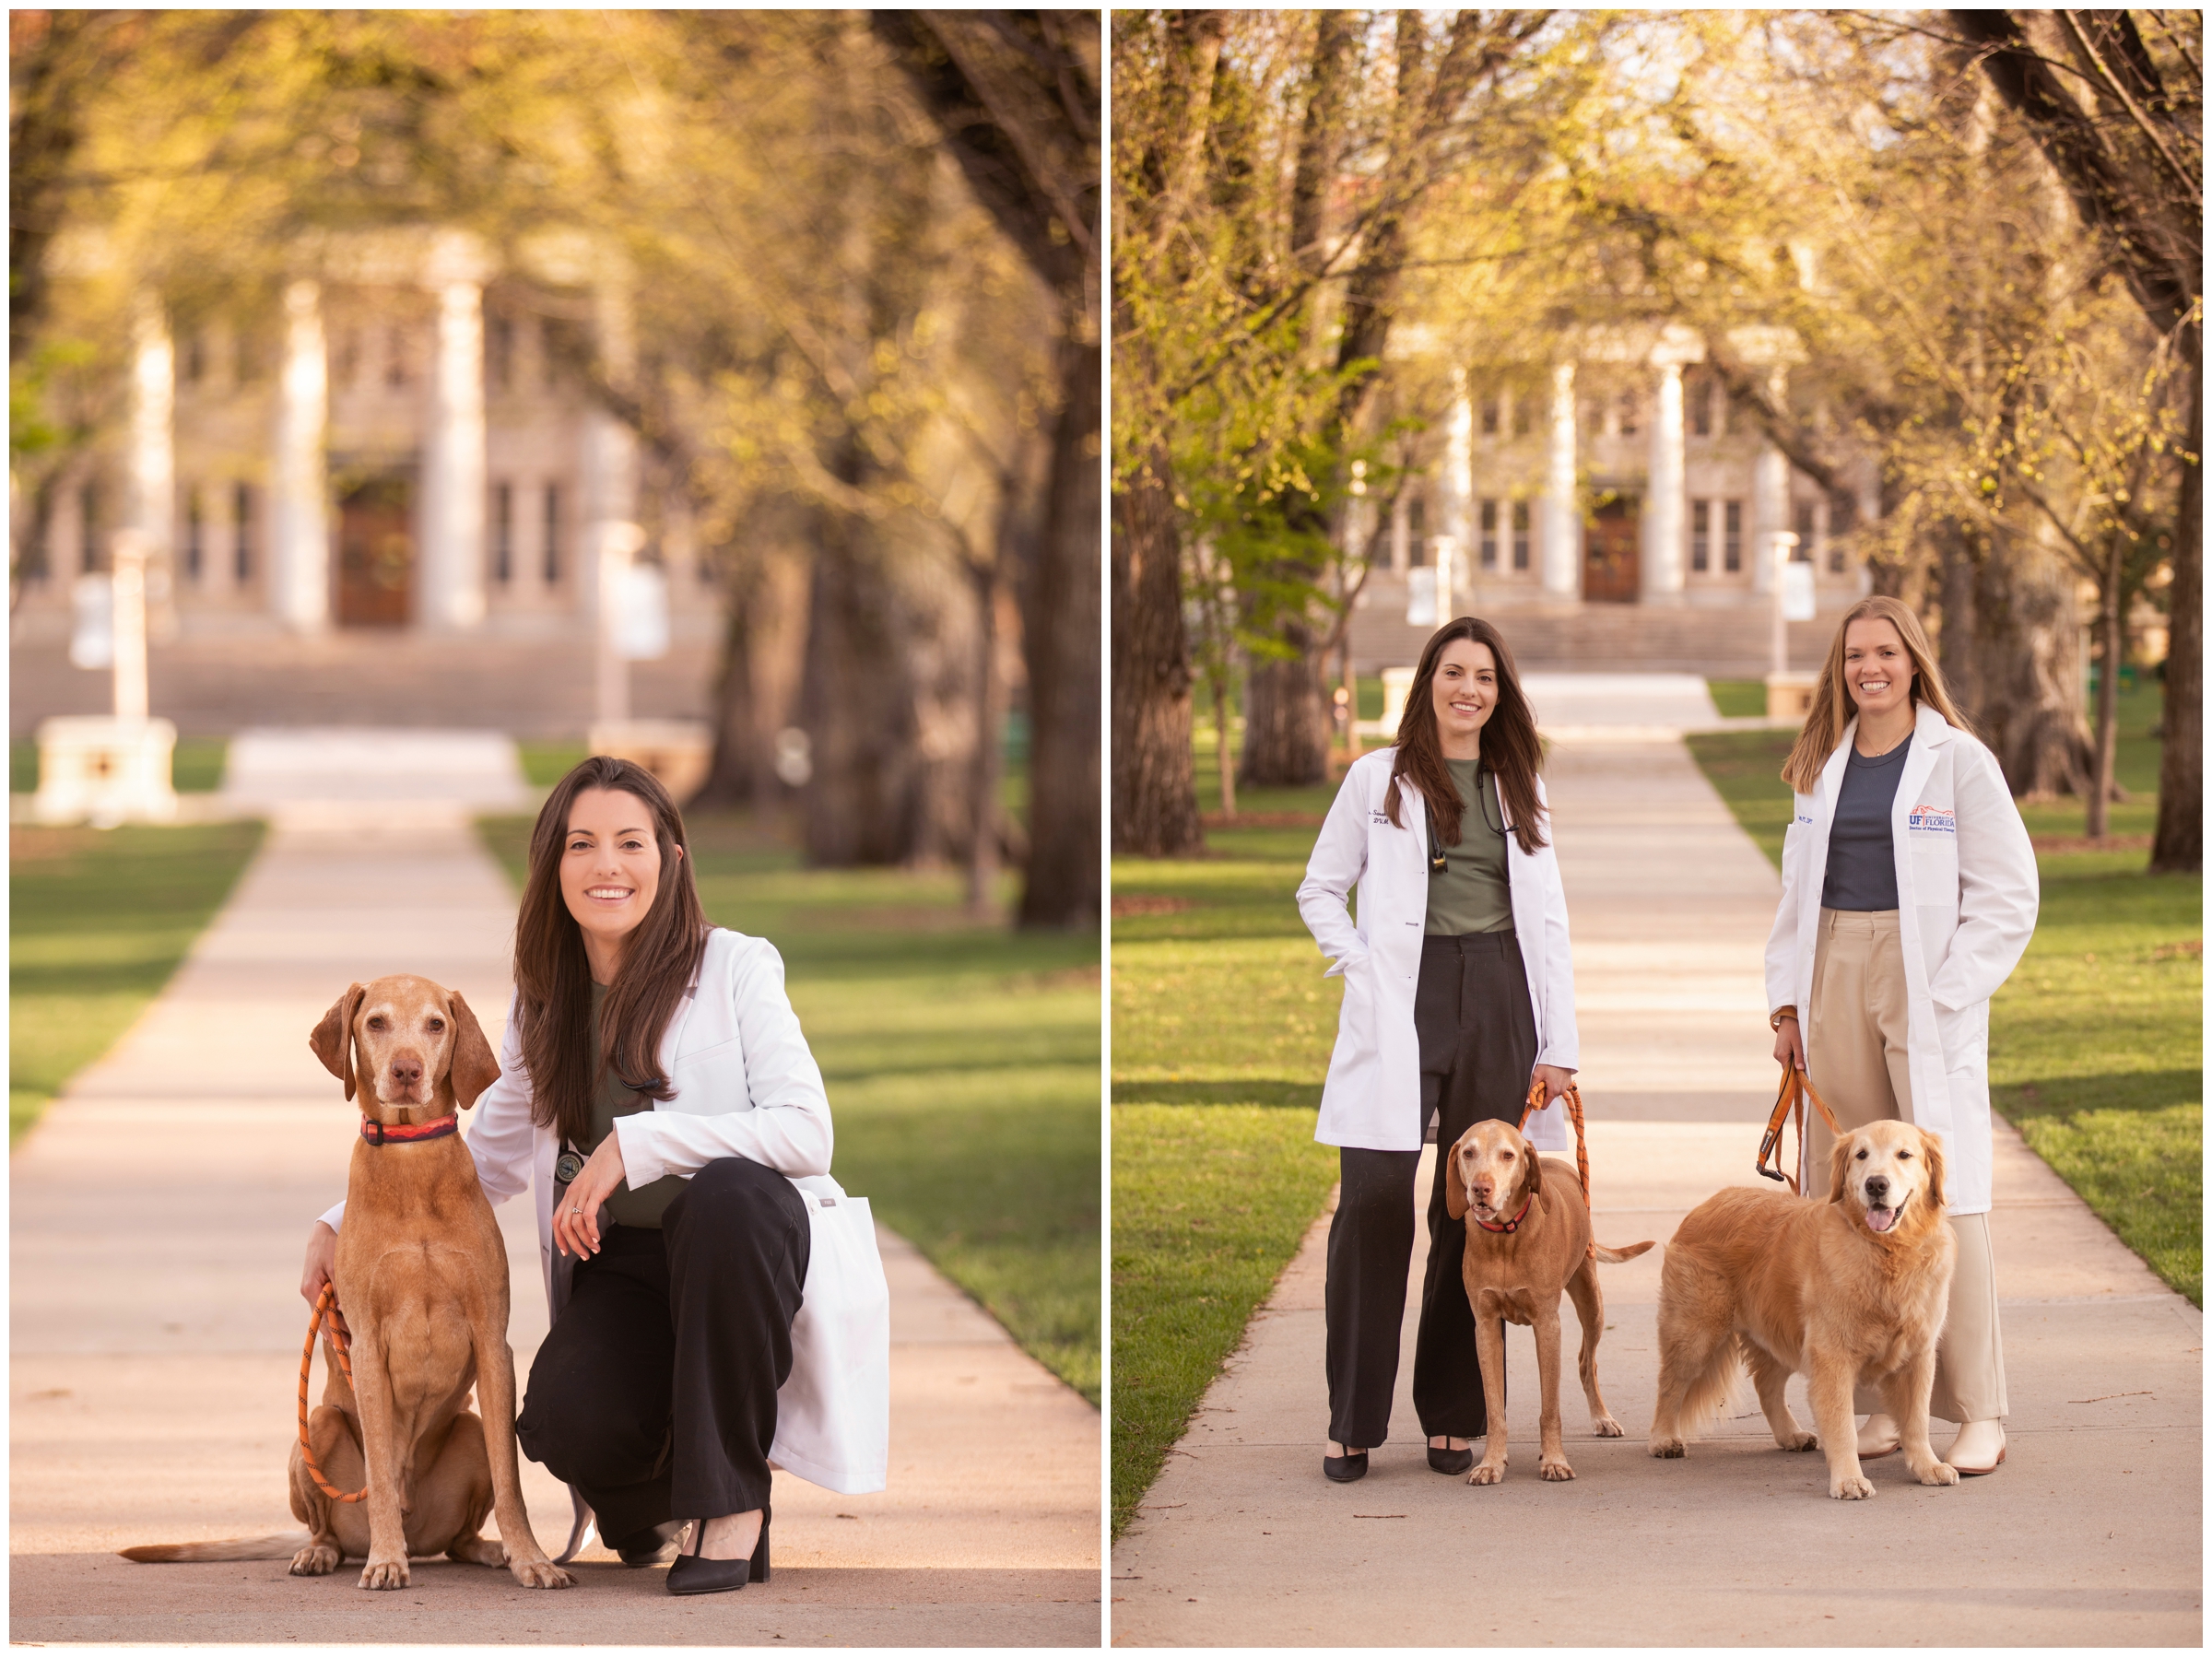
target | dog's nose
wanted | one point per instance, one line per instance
(406, 1071)
(1879, 1187)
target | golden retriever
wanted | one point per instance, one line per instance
(1529, 1239)
(1850, 1291)
(421, 1276)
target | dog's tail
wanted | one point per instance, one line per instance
(280, 1546)
(1615, 1256)
(1706, 1396)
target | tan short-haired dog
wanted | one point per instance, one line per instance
(1528, 1240)
(1850, 1291)
(421, 1276)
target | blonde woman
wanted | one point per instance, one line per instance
(1909, 890)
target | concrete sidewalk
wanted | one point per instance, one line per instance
(2090, 1534)
(157, 1217)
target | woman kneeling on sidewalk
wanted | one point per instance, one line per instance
(1457, 989)
(656, 1084)
(1909, 890)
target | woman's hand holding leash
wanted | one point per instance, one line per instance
(322, 1262)
(576, 1226)
(1556, 1081)
(1789, 1045)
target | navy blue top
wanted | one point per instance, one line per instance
(1862, 865)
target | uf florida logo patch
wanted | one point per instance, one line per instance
(1933, 820)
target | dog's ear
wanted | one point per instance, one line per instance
(1932, 1148)
(1455, 1189)
(332, 1040)
(1532, 1179)
(1839, 1167)
(474, 1068)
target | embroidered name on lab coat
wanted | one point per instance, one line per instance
(1932, 819)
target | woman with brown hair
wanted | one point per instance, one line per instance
(1909, 890)
(657, 1091)
(1458, 988)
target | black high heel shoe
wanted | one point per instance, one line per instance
(692, 1573)
(1447, 1460)
(1344, 1469)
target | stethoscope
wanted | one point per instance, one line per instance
(1438, 863)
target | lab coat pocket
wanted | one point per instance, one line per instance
(1963, 1035)
(1934, 865)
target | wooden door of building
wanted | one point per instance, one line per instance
(1612, 566)
(376, 555)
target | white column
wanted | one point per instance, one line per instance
(1769, 491)
(452, 557)
(1562, 523)
(153, 463)
(1459, 482)
(299, 515)
(610, 452)
(1665, 511)
(130, 549)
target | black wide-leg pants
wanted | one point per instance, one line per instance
(1478, 1033)
(655, 1393)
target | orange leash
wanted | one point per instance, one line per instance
(1574, 1096)
(324, 1306)
(1796, 1087)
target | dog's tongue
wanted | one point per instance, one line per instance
(1881, 1219)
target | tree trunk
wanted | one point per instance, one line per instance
(1225, 764)
(2110, 624)
(1286, 717)
(1155, 793)
(864, 803)
(2179, 846)
(1957, 571)
(1060, 648)
(2027, 658)
(740, 743)
(983, 792)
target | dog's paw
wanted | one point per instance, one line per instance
(1487, 1472)
(1798, 1441)
(1606, 1428)
(1854, 1488)
(316, 1559)
(540, 1573)
(1554, 1468)
(1670, 1449)
(385, 1573)
(1937, 1473)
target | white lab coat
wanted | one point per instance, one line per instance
(746, 1085)
(1373, 1098)
(1967, 893)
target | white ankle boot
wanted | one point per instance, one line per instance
(1978, 1449)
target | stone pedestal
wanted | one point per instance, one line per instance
(104, 770)
(1789, 695)
(678, 752)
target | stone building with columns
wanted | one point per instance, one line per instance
(396, 441)
(1601, 494)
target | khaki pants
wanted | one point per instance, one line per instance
(1854, 1034)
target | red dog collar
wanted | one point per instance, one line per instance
(1512, 1224)
(376, 1133)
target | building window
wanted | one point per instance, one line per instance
(502, 532)
(395, 357)
(552, 534)
(241, 518)
(1732, 536)
(1520, 535)
(1839, 510)
(1700, 537)
(1698, 392)
(246, 356)
(1524, 412)
(88, 528)
(1808, 534)
(1489, 535)
(1417, 532)
(195, 531)
(1490, 417)
(195, 357)
(1729, 424)
(499, 358)
(1627, 413)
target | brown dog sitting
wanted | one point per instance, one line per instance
(1528, 1240)
(421, 1277)
(1850, 1291)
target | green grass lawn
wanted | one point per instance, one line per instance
(1739, 699)
(1222, 1025)
(196, 767)
(962, 1063)
(98, 920)
(2096, 1048)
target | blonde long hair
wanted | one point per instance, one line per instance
(1832, 708)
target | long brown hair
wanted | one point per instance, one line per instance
(1508, 741)
(1832, 708)
(553, 976)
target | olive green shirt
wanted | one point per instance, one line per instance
(625, 1208)
(1472, 894)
